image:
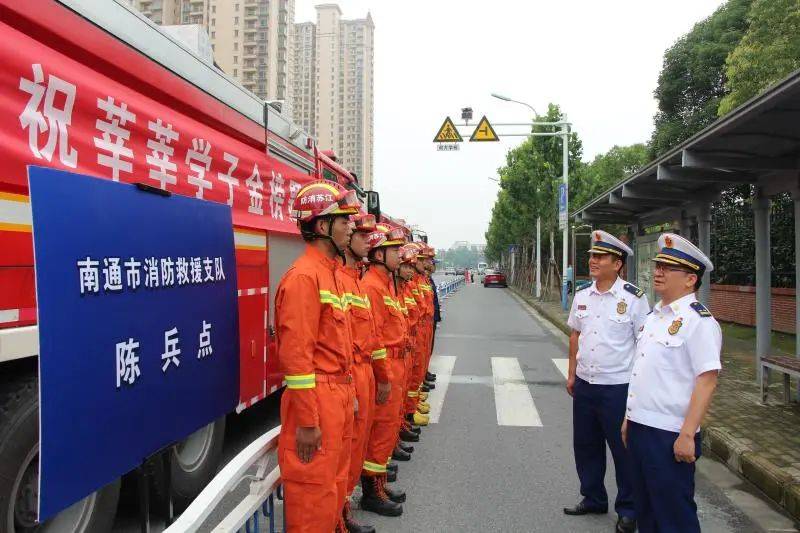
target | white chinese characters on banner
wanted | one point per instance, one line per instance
(128, 358)
(164, 168)
(161, 272)
(254, 187)
(171, 349)
(205, 341)
(42, 114)
(113, 137)
(182, 161)
(127, 362)
(276, 195)
(199, 161)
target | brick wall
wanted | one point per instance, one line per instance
(737, 303)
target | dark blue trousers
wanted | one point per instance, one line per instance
(597, 414)
(663, 489)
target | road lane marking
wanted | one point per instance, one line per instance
(442, 366)
(563, 366)
(512, 397)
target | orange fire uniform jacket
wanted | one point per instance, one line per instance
(310, 315)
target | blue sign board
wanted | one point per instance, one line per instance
(562, 205)
(138, 326)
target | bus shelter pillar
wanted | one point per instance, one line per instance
(704, 241)
(761, 212)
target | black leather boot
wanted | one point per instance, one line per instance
(375, 500)
(405, 447)
(400, 455)
(409, 436)
(430, 385)
(397, 496)
(391, 477)
(430, 377)
(424, 388)
(350, 522)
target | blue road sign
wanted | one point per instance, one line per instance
(138, 327)
(562, 205)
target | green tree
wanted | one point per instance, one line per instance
(606, 170)
(769, 51)
(529, 188)
(692, 80)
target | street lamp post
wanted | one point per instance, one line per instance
(564, 134)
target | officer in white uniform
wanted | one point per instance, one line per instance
(674, 376)
(604, 318)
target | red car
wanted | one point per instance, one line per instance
(494, 277)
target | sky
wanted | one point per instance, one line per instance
(599, 61)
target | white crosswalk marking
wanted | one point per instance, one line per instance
(512, 397)
(563, 366)
(442, 366)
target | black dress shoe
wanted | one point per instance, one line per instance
(405, 447)
(392, 467)
(409, 436)
(430, 377)
(391, 477)
(581, 509)
(430, 385)
(424, 388)
(400, 455)
(626, 524)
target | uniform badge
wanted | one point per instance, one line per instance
(622, 306)
(675, 326)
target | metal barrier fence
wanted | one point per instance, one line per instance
(449, 287)
(256, 510)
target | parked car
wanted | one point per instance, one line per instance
(494, 278)
(460, 271)
(449, 271)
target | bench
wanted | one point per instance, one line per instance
(788, 366)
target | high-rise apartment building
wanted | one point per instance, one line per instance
(332, 86)
(251, 38)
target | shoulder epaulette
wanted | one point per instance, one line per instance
(700, 309)
(586, 286)
(633, 289)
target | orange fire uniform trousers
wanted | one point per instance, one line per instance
(364, 381)
(386, 423)
(315, 491)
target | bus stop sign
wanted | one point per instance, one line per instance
(138, 326)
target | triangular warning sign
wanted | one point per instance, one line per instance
(448, 133)
(484, 132)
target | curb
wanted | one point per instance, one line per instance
(736, 452)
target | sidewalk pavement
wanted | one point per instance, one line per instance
(759, 442)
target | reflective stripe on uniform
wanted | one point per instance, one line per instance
(379, 354)
(301, 381)
(391, 303)
(327, 297)
(413, 394)
(410, 301)
(374, 467)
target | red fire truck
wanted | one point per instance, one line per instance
(96, 88)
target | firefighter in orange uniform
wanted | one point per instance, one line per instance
(414, 301)
(315, 351)
(379, 282)
(368, 367)
(402, 451)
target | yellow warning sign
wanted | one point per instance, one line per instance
(448, 133)
(484, 132)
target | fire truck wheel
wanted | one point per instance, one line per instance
(195, 461)
(19, 463)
